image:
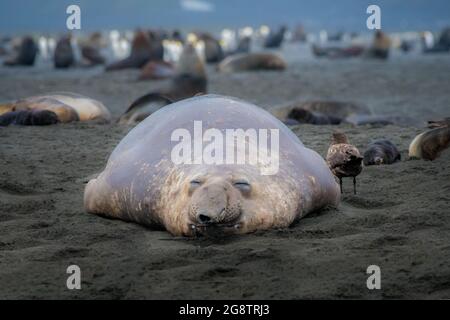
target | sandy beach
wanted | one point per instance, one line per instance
(399, 220)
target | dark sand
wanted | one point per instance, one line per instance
(400, 219)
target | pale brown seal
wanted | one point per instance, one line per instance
(143, 183)
(430, 144)
(67, 106)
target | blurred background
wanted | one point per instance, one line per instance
(49, 15)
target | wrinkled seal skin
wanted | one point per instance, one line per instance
(381, 152)
(141, 183)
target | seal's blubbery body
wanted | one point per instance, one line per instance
(141, 183)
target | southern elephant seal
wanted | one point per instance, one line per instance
(430, 144)
(332, 109)
(381, 152)
(252, 62)
(28, 118)
(202, 187)
(311, 117)
(67, 106)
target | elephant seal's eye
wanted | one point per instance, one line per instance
(242, 185)
(196, 182)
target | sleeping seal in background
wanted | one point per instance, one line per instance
(67, 106)
(381, 152)
(311, 117)
(28, 118)
(252, 62)
(318, 111)
(189, 80)
(142, 182)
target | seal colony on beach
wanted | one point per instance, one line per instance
(142, 183)
(189, 80)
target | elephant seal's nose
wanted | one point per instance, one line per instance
(204, 218)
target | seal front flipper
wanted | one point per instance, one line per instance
(143, 107)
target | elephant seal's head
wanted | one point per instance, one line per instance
(222, 202)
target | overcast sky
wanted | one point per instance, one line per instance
(50, 15)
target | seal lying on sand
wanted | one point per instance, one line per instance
(430, 144)
(381, 152)
(337, 52)
(190, 80)
(145, 182)
(67, 106)
(333, 110)
(25, 53)
(311, 117)
(252, 62)
(29, 118)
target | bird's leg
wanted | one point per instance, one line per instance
(354, 185)
(340, 184)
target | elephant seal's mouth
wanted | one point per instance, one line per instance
(215, 230)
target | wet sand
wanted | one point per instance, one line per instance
(399, 220)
